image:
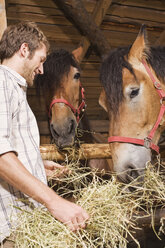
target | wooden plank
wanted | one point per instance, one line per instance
(42, 3)
(156, 5)
(38, 17)
(137, 13)
(161, 40)
(3, 20)
(45, 139)
(49, 3)
(89, 4)
(71, 35)
(130, 21)
(48, 11)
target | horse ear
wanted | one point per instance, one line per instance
(139, 47)
(78, 53)
(103, 101)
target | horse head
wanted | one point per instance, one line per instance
(63, 94)
(133, 92)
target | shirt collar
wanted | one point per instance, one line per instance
(20, 80)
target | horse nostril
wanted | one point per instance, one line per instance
(71, 126)
(132, 173)
(54, 133)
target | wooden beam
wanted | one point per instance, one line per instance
(86, 151)
(98, 14)
(84, 22)
(3, 22)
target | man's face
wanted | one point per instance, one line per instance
(34, 65)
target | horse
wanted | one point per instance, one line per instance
(133, 80)
(65, 101)
(63, 94)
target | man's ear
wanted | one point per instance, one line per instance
(24, 50)
(103, 101)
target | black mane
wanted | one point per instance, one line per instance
(156, 58)
(111, 72)
(56, 66)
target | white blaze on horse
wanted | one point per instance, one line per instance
(134, 89)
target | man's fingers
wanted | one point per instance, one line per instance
(73, 225)
(78, 222)
(81, 221)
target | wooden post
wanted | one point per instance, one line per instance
(3, 22)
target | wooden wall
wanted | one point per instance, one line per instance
(120, 26)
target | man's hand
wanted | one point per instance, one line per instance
(69, 213)
(54, 170)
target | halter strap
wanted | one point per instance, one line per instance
(146, 142)
(75, 111)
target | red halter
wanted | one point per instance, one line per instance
(147, 142)
(75, 111)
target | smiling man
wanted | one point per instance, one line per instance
(23, 50)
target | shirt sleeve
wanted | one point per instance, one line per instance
(6, 109)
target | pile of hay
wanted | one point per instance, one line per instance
(111, 207)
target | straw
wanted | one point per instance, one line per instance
(112, 208)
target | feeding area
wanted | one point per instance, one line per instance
(116, 210)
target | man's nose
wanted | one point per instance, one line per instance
(41, 69)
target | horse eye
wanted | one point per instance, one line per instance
(134, 93)
(77, 75)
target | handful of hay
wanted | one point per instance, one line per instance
(111, 207)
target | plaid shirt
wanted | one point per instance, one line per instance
(18, 133)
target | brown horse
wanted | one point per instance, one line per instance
(65, 102)
(63, 94)
(134, 89)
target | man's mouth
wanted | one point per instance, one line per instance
(34, 74)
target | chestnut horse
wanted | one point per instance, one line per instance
(65, 100)
(133, 79)
(63, 94)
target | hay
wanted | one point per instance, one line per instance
(79, 176)
(111, 207)
(108, 226)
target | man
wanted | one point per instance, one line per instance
(23, 50)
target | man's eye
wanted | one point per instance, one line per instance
(77, 75)
(134, 93)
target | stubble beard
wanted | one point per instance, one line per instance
(28, 74)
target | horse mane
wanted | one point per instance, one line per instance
(156, 58)
(56, 66)
(116, 61)
(111, 75)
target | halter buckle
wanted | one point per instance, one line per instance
(147, 142)
(157, 85)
